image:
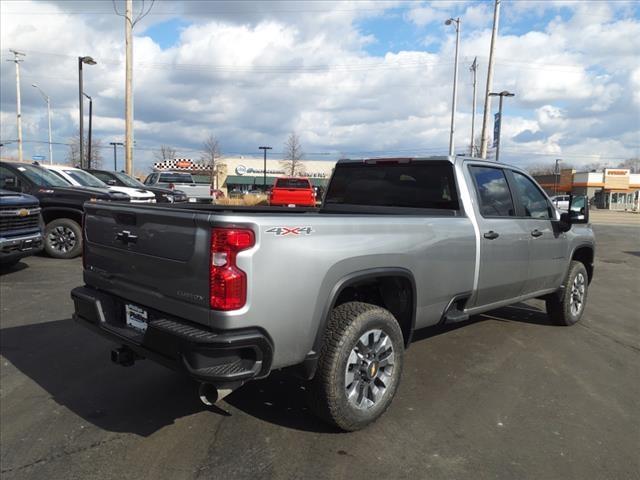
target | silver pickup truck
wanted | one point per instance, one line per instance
(228, 294)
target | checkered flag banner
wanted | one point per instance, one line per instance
(185, 164)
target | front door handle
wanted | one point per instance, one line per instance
(491, 235)
(536, 233)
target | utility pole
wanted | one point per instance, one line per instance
(502, 94)
(264, 171)
(555, 177)
(90, 123)
(128, 102)
(474, 69)
(16, 60)
(489, 86)
(115, 155)
(455, 87)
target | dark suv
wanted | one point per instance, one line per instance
(61, 204)
(121, 179)
(20, 227)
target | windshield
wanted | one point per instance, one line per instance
(127, 180)
(42, 177)
(292, 183)
(85, 179)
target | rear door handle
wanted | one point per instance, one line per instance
(536, 233)
(491, 235)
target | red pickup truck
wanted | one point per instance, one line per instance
(292, 192)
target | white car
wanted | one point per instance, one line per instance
(561, 202)
(80, 178)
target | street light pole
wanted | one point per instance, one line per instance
(455, 85)
(88, 61)
(502, 94)
(48, 100)
(115, 157)
(264, 171)
(90, 123)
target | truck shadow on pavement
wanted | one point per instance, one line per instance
(72, 365)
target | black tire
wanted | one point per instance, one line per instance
(63, 238)
(328, 389)
(563, 306)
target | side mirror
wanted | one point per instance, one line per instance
(578, 212)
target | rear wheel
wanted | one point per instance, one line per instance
(359, 367)
(63, 238)
(567, 307)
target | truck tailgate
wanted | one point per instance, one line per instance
(148, 254)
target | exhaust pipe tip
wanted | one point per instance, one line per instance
(208, 394)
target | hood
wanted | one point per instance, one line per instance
(133, 192)
(9, 198)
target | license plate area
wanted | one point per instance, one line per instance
(137, 318)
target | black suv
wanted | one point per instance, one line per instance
(121, 179)
(61, 204)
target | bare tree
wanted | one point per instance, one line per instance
(546, 169)
(293, 154)
(633, 164)
(165, 152)
(211, 153)
(73, 155)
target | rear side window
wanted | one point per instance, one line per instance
(493, 192)
(427, 184)
(531, 197)
(293, 183)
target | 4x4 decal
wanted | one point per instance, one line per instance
(282, 231)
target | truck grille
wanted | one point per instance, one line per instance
(12, 218)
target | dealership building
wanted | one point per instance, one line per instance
(245, 174)
(611, 189)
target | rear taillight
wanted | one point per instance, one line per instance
(228, 284)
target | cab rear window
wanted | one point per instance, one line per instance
(293, 183)
(421, 184)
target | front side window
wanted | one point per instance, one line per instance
(531, 197)
(493, 192)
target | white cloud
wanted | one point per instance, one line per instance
(256, 71)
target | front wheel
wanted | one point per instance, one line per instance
(567, 308)
(359, 368)
(63, 238)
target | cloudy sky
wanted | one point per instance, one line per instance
(353, 79)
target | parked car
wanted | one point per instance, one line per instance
(121, 179)
(228, 294)
(292, 192)
(61, 204)
(82, 178)
(21, 227)
(196, 192)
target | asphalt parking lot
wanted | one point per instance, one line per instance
(507, 395)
